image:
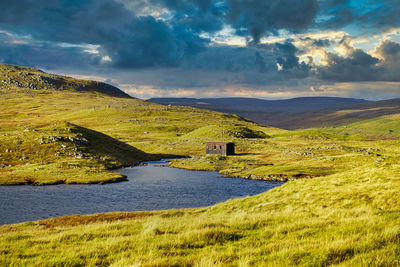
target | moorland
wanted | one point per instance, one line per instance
(339, 206)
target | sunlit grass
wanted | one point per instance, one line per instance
(340, 206)
(350, 218)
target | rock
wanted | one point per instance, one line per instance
(83, 140)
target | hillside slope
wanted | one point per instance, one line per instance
(42, 128)
(12, 76)
(297, 113)
(383, 127)
(347, 215)
(144, 130)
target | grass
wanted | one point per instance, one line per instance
(64, 153)
(349, 219)
(347, 215)
(384, 127)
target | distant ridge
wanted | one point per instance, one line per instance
(255, 104)
(12, 76)
(295, 113)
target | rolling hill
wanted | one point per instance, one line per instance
(297, 113)
(254, 104)
(12, 76)
(338, 207)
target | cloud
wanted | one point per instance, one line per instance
(380, 14)
(389, 51)
(356, 66)
(231, 59)
(334, 14)
(319, 43)
(197, 15)
(281, 46)
(367, 16)
(43, 54)
(258, 17)
(359, 66)
(258, 58)
(130, 41)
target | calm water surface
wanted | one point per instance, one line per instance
(149, 187)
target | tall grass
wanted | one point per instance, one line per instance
(348, 219)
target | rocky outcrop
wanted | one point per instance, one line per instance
(29, 78)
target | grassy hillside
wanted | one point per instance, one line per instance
(63, 153)
(72, 136)
(41, 131)
(12, 77)
(347, 215)
(384, 127)
(75, 135)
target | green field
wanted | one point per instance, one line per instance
(340, 206)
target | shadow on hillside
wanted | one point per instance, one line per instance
(103, 145)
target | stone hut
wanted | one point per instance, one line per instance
(220, 148)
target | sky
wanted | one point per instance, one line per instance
(270, 49)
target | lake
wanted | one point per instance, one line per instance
(150, 187)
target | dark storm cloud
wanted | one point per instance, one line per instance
(263, 63)
(380, 14)
(334, 14)
(390, 53)
(368, 15)
(197, 15)
(359, 66)
(290, 64)
(171, 37)
(130, 41)
(252, 18)
(287, 58)
(147, 42)
(355, 67)
(259, 17)
(44, 54)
